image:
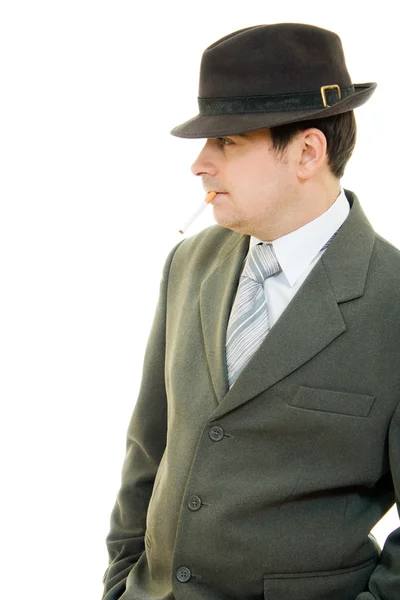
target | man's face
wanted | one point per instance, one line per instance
(257, 185)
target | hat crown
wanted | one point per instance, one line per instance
(284, 58)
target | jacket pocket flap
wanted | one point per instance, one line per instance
(357, 405)
(341, 584)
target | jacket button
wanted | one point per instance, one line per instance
(216, 433)
(194, 503)
(183, 574)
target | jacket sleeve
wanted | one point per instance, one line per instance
(384, 583)
(146, 439)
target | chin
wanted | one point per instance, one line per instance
(226, 220)
(233, 225)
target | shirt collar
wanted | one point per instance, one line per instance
(297, 249)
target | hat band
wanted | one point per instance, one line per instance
(279, 103)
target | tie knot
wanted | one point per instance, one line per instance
(261, 263)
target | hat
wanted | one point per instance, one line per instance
(269, 75)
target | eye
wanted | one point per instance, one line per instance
(224, 141)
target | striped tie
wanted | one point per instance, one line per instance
(249, 323)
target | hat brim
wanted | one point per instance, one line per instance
(211, 126)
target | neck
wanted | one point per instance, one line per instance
(308, 204)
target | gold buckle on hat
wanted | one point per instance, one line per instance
(329, 87)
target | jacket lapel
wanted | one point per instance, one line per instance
(311, 321)
(216, 297)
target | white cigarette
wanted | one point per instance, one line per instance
(210, 196)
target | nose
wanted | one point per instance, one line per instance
(205, 163)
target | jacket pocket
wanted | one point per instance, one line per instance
(340, 584)
(343, 403)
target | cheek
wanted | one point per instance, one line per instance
(264, 192)
(257, 180)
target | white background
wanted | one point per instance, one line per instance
(93, 190)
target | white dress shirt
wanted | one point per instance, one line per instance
(297, 253)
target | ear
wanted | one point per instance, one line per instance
(313, 152)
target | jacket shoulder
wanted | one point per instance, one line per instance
(384, 246)
(384, 270)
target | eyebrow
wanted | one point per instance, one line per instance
(246, 136)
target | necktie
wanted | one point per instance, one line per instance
(248, 322)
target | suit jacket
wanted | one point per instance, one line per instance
(268, 490)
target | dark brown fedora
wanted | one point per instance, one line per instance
(269, 75)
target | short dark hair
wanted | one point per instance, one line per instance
(340, 132)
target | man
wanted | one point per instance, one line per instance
(265, 441)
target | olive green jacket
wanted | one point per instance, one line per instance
(268, 490)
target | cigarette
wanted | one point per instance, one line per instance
(209, 198)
